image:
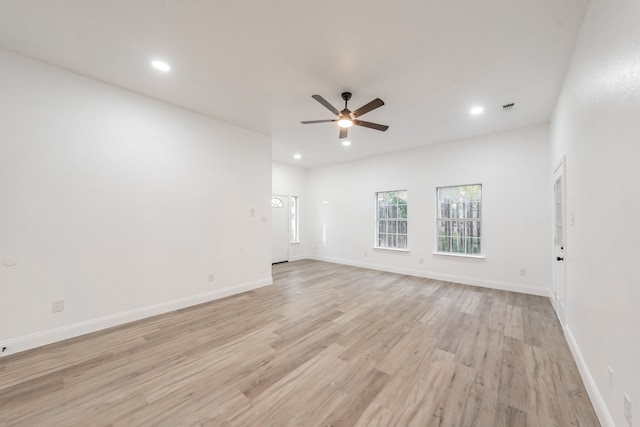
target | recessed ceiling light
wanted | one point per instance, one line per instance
(161, 65)
(476, 110)
(297, 156)
(346, 143)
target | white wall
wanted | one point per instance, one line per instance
(119, 204)
(513, 168)
(597, 126)
(287, 180)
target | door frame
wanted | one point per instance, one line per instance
(559, 297)
(287, 208)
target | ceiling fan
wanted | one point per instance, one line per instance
(347, 118)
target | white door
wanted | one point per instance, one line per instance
(559, 279)
(279, 229)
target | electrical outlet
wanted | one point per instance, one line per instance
(211, 277)
(523, 272)
(627, 409)
(57, 306)
(366, 254)
(421, 261)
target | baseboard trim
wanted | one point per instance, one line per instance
(592, 389)
(505, 286)
(50, 336)
(299, 257)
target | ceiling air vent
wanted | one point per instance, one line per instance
(508, 107)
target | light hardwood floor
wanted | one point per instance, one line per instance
(326, 345)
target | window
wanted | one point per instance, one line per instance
(276, 202)
(459, 219)
(391, 219)
(294, 220)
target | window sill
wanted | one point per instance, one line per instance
(460, 255)
(391, 249)
(294, 243)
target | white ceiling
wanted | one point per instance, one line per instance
(256, 63)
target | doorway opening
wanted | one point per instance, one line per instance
(279, 229)
(559, 242)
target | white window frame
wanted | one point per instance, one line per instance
(397, 233)
(460, 219)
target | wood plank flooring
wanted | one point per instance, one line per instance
(327, 345)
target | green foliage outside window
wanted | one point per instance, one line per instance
(459, 221)
(392, 219)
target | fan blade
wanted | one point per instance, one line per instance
(375, 126)
(307, 122)
(324, 102)
(368, 107)
(343, 132)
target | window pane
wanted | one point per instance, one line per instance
(402, 211)
(294, 219)
(475, 229)
(458, 226)
(276, 202)
(392, 205)
(459, 237)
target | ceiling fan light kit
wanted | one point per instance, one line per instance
(345, 122)
(347, 118)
